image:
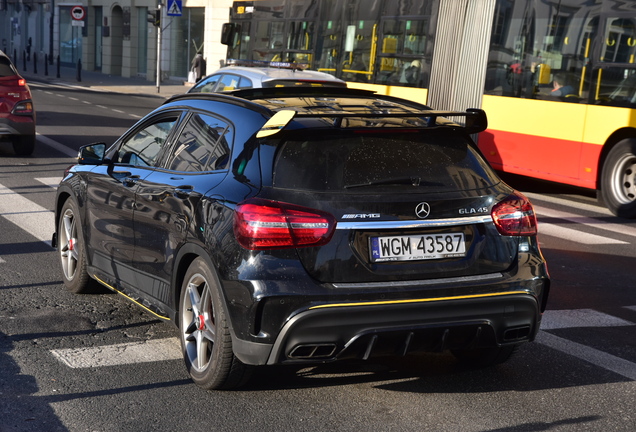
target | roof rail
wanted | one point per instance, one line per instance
(270, 92)
(263, 63)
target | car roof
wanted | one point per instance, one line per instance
(311, 103)
(263, 74)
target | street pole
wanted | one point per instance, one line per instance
(159, 51)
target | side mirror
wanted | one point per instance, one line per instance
(227, 33)
(92, 154)
(476, 121)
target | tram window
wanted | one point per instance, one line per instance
(330, 46)
(358, 51)
(268, 44)
(617, 87)
(401, 52)
(241, 41)
(545, 53)
(300, 35)
(409, 36)
(620, 41)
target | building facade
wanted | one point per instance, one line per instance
(115, 37)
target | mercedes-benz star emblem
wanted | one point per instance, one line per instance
(422, 210)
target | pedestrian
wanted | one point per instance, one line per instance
(198, 67)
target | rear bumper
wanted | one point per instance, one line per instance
(337, 331)
(11, 125)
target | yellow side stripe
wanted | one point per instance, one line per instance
(130, 298)
(425, 300)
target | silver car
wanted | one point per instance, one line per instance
(243, 77)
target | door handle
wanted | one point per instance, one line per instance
(130, 181)
(183, 192)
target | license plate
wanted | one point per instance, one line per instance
(418, 247)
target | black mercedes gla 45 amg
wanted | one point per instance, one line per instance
(302, 226)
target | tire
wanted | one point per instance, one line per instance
(72, 250)
(204, 332)
(618, 179)
(484, 357)
(24, 145)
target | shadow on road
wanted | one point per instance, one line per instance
(20, 409)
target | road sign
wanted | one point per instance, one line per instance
(175, 7)
(78, 13)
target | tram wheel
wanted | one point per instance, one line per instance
(618, 179)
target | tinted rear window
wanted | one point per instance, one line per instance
(438, 160)
(5, 68)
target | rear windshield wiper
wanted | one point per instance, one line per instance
(413, 181)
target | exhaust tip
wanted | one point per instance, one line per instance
(312, 351)
(516, 333)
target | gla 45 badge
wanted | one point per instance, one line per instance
(473, 210)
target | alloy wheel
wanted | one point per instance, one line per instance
(199, 324)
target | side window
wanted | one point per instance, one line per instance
(207, 85)
(5, 68)
(228, 82)
(245, 83)
(144, 146)
(204, 145)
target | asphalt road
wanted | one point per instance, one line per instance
(99, 363)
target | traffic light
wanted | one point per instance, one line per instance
(155, 17)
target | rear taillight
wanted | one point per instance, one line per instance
(23, 108)
(21, 82)
(264, 224)
(515, 216)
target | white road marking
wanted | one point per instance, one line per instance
(120, 354)
(31, 217)
(568, 203)
(591, 355)
(633, 308)
(558, 319)
(574, 235)
(2, 261)
(101, 106)
(50, 181)
(119, 111)
(622, 229)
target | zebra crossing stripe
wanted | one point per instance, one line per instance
(120, 354)
(559, 319)
(31, 217)
(52, 182)
(573, 235)
(622, 229)
(591, 355)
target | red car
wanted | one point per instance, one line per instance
(17, 115)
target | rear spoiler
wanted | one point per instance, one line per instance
(476, 119)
